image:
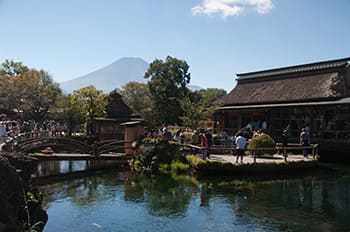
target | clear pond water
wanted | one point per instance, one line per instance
(123, 201)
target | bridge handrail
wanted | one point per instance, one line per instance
(254, 151)
(94, 149)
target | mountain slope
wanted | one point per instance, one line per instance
(110, 77)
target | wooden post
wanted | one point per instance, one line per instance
(254, 152)
(285, 154)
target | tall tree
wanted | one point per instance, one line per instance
(25, 90)
(38, 93)
(90, 102)
(10, 73)
(167, 85)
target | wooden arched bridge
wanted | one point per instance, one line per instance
(67, 145)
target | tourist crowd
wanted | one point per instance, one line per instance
(12, 129)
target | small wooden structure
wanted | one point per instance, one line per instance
(118, 112)
(133, 131)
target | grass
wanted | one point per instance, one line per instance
(174, 167)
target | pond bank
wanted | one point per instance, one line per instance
(262, 165)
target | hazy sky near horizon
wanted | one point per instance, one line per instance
(217, 38)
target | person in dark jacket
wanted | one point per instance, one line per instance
(304, 141)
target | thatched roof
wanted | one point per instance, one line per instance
(302, 83)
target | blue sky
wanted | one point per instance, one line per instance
(217, 38)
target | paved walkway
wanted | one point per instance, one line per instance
(250, 159)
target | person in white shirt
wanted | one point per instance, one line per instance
(241, 142)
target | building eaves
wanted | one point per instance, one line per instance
(331, 64)
(290, 104)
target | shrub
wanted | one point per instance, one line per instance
(178, 167)
(193, 160)
(151, 152)
(216, 139)
(262, 141)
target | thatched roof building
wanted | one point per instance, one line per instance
(322, 81)
(315, 95)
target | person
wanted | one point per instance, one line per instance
(3, 132)
(195, 138)
(209, 137)
(241, 142)
(284, 141)
(304, 141)
(204, 145)
(182, 138)
(166, 133)
(177, 136)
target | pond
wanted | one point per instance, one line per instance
(124, 201)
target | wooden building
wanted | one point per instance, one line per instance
(315, 96)
(118, 113)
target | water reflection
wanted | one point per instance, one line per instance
(53, 167)
(119, 201)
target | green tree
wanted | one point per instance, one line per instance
(38, 93)
(64, 111)
(167, 85)
(137, 96)
(25, 90)
(10, 97)
(90, 102)
(198, 107)
(208, 96)
(10, 73)
(12, 68)
(194, 113)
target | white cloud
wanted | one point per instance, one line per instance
(227, 8)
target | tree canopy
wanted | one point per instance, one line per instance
(12, 68)
(136, 95)
(90, 103)
(39, 92)
(198, 106)
(167, 85)
(29, 91)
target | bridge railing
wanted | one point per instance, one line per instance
(254, 152)
(31, 142)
